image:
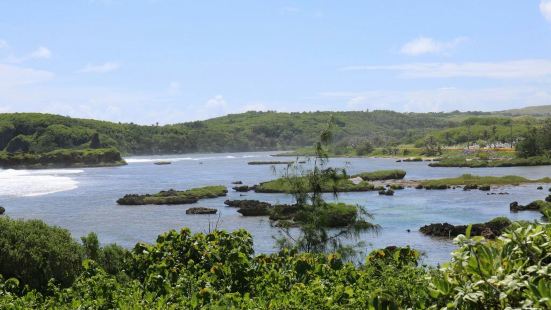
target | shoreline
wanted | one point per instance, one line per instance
(63, 166)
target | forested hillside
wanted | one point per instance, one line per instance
(252, 131)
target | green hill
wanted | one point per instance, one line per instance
(250, 131)
(541, 110)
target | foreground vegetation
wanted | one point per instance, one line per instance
(172, 197)
(219, 270)
(62, 158)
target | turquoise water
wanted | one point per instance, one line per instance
(83, 200)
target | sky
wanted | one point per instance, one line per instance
(169, 61)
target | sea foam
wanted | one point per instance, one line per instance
(23, 183)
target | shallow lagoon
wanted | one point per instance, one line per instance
(83, 200)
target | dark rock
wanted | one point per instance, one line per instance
(484, 188)
(488, 230)
(548, 198)
(540, 187)
(254, 211)
(236, 182)
(515, 206)
(387, 192)
(241, 188)
(419, 186)
(250, 207)
(283, 212)
(468, 187)
(2, 210)
(201, 210)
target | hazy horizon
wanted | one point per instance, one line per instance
(169, 61)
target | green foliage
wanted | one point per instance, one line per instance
(174, 197)
(20, 143)
(512, 272)
(62, 158)
(219, 270)
(237, 132)
(112, 258)
(364, 148)
(469, 179)
(536, 142)
(314, 215)
(382, 175)
(463, 162)
(289, 184)
(34, 253)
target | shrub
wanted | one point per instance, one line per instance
(34, 253)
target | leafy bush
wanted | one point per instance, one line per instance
(34, 253)
(512, 272)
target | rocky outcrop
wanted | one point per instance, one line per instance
(201, 210)
(489, 230)
(533, 206)
(250, 207)
(2, 210)
(242, 188)
(387, 192)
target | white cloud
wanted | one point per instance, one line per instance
(516, 69)
(545, 9)
(425, 45)
(13, 76)
(216, 102)
(40, 53)
(444, 99)
(100, 68)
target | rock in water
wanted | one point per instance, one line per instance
(2, 210)
(201, 210)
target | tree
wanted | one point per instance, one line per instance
(95, 142)
(307, 188)
(364, 148)
(432, 148)
(34, 253)
(530, 145)
(18, 144)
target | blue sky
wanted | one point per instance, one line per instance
(169, 61)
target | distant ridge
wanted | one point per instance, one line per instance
(541, 110)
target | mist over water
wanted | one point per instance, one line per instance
(84, 200)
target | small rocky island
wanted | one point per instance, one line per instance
(489, 230)
(172, 197)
